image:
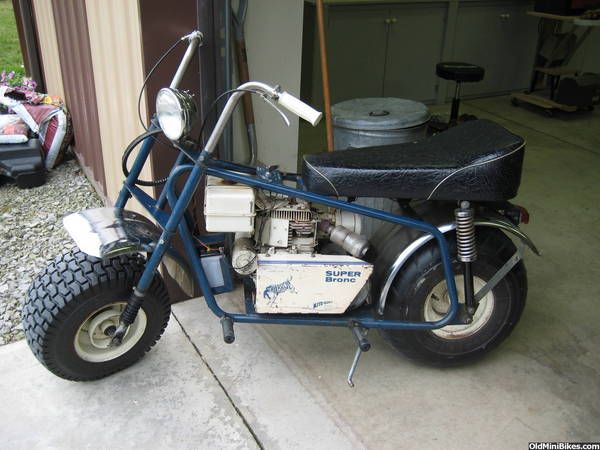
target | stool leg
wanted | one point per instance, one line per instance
(455, 105)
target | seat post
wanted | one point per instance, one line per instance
(455, 104)
(460, 72)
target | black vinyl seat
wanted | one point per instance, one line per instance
(459, 71)
(478, 160)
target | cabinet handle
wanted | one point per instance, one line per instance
(505, 16)
(390, 20)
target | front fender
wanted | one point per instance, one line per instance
(415, 240)
(108, 232)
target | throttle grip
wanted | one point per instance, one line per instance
(298, 107)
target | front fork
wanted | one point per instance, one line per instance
(175, 219)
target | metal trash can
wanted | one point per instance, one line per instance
(372, 122)
(369, 122)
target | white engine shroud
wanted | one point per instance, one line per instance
(308, 284)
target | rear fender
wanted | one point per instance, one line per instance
(108, 232)
(413, 241)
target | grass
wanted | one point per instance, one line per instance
(10, 51)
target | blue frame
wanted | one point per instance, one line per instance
(175, 222)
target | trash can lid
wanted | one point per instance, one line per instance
(380, 113)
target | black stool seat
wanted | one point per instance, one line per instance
(460, 71)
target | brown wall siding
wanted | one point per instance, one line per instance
(78, 78)
(161, 26)
(46, 31)
(115, 42)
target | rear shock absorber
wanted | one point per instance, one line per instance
(466, 250)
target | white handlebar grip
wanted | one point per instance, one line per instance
(299, 108)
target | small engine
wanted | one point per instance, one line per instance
(290, 226)
(281, 241)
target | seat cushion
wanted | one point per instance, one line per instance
(459, 71)
(477, 160)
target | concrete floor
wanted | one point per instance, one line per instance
(279, 387)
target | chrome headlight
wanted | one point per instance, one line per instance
(176, 112)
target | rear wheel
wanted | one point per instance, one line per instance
(419, 293)
(74, 306)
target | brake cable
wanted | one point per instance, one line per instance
(149, 132)
(156, 65)
(152, 133)
(133, 144)
(214, 105)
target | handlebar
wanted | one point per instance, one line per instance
(298, 107)
(194, 39)
(274, 95)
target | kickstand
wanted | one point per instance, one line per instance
(362, 345)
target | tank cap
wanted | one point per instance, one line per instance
(379, 113)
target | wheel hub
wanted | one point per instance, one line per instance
(437, 306)
(98, 326)
(440, 305)
(94, 336)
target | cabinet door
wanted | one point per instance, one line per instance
(415, 44)
(356, 42)
(501, 38)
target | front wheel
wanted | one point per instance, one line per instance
(74, 306)
(419, 293)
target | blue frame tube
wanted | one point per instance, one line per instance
(162, 198)
(228, 171)
(215, 163)
(188, 242)
(175, 219)
(370, 212)
(137, 167)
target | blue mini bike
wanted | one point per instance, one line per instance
(442, 279)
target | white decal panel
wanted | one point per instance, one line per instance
(301, 283)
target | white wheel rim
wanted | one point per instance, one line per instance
(438, 302)
(92, 340)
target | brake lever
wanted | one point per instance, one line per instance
(276, 108)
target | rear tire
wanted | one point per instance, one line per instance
(418, 285)
(73, 304)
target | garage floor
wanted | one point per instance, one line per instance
(280, 387)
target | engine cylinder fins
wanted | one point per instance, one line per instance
(301, 228)
(465, 233)
(297, 215)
